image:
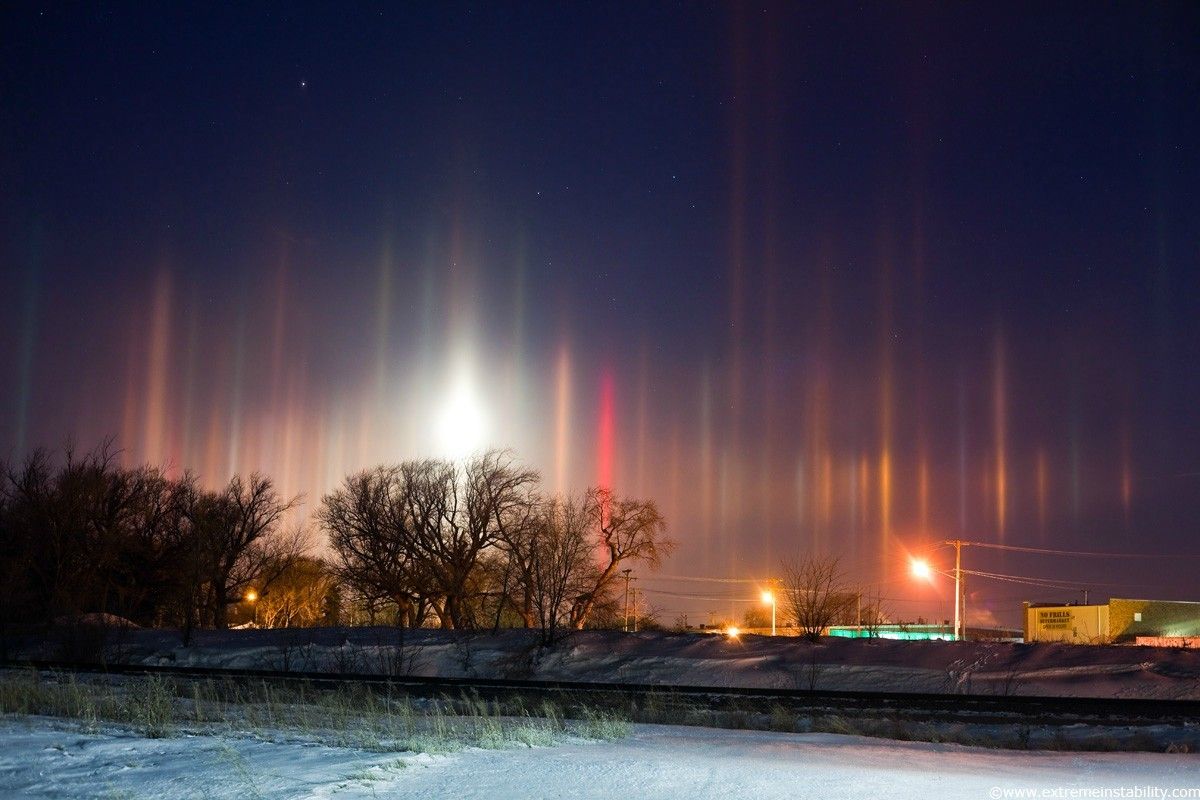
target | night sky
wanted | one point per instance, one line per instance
(813, 277)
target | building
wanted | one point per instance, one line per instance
(1160, 622)
(922, 631)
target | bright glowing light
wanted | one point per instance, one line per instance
(768, 598)
(461, 427)
(921, 569)
(251, 596)
(732, 631)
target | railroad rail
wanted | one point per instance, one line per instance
(973, 708)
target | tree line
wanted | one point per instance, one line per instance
(478, 544)
(461, 545)
(82, 535)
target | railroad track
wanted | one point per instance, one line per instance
(967, 708)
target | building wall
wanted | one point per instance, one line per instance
(1158, 618)
(1121, 620)
(1079, 624)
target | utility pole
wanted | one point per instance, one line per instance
(626, 572)
(964, 604)
(635, 608)
(959, 604)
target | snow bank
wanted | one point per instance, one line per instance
(681, 659)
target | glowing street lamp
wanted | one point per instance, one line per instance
(922, 570)
(769, 597)
(732, 632)
(251, 597)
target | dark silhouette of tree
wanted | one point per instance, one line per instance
(815, 594)
(551, 553)
(416, 532)
(372, 535)
(241, 540)
(624, 530)
(457, 514)
(872, 612)
(470, 543)
(82, 535)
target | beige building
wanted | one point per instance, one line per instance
(1119, 620)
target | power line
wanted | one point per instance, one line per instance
(1085, 553)
(1014, 579)
(700, 596)
(1031, 579)
(701, 578)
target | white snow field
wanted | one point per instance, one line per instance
(45, 758)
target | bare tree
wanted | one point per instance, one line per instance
(242, 541)
(371, 530)
(560, 563)
(624, 529)
(756, 618)
(515, 572)
(56, 512)
(417, 531)
(873, 612)
(84, 535)
(815, 594)
(459, 514)
(298, 598)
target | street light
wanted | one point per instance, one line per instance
(251, 597)
(732, 631)
(769, 597)
(922, 570)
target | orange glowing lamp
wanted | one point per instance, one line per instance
(922, 570)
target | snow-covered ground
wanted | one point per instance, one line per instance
(678, 659)
(44, 758)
